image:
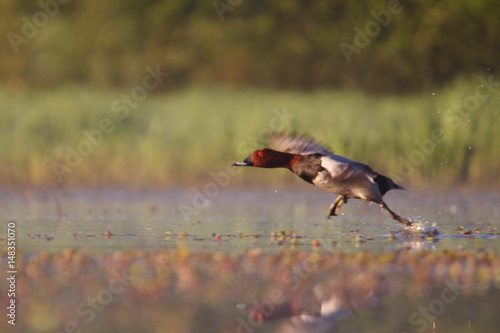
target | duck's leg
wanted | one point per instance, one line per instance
(334, 208)
(395, 216)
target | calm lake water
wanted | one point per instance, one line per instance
(234, 227)
(53, 220)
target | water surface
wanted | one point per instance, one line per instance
(245, 218)
(247, 260)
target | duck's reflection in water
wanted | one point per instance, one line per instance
(318, 308)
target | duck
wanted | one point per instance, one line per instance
(317, 164)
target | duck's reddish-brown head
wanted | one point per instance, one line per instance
(267, 158)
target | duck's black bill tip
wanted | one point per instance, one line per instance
(246, 162)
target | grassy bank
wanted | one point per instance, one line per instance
(446, 137)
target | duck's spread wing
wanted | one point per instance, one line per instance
(335, 168)
(296, 144)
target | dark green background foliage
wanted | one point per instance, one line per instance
(276, 43)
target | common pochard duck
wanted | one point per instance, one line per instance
(317, 165)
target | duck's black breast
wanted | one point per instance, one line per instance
(308, 166)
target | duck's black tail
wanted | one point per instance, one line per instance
(385, 184)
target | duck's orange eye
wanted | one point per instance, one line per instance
(260, 153)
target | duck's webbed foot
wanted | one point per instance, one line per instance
(334, 208)
(395, 216)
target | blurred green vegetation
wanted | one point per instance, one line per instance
(180, 138)
(232, 63)
(273, 44)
